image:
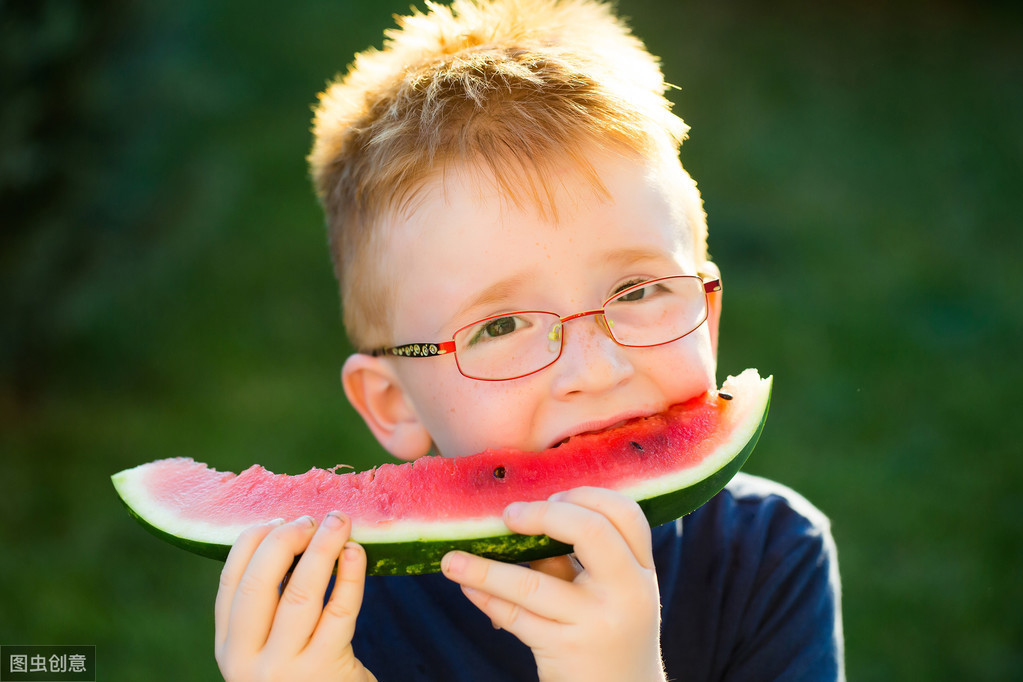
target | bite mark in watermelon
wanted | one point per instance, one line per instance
(407, 516)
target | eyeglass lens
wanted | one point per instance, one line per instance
(648, 314)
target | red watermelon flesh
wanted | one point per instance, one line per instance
(434, 499)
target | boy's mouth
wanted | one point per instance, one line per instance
(585, 433)
(599, 426)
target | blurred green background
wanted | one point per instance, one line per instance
(166, 290)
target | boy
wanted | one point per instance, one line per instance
(495, 170)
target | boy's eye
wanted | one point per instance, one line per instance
(496, 328)
(499, 327)
(635, 295)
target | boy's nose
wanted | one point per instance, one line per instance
(590, 359)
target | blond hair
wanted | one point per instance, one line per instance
(510, 84)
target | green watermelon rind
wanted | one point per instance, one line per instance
(411, 556)
(395, 559)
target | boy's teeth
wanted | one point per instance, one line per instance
(606, 428)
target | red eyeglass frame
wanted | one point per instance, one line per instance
(431, 350)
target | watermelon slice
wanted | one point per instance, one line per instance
(407, 516)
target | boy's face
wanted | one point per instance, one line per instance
(466, 252)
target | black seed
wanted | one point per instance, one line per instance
(724, 396)
(499, 472)
(636, 445)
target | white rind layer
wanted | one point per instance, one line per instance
(750, 395)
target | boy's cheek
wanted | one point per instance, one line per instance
(465, 416)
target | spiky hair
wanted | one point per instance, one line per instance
(514, 85)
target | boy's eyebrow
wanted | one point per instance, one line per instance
(627, 257)
(507, 288)
(495, 293)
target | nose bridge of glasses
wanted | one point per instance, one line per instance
(557, 333)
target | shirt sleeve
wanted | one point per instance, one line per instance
(750, 589)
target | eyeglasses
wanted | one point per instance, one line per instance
(514, 345)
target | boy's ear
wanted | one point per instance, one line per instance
(709, 269)
(375, 392)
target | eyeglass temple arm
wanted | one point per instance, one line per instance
(711, 285)
(416, 350)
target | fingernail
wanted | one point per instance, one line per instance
(275, 522)
(558, 497)
(307, 519)
(351, 551)
(514, 510)
(453, 562)
(333, 520)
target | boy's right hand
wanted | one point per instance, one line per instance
(264, 634)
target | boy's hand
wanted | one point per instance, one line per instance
(266, 635)
(602, 625)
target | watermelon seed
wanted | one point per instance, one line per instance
(636, 445)
(499, 472)
(724, 396)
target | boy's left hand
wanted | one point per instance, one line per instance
(602, 625)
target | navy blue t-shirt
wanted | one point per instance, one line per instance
(749, 591)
